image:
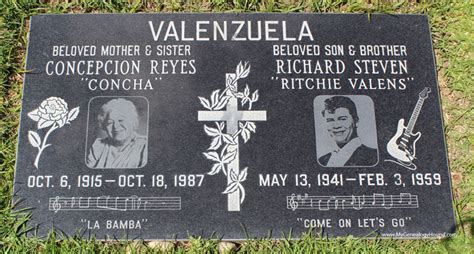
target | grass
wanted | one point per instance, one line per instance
(451, 23)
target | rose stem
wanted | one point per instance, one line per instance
(43, 146)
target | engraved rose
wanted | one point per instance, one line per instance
(52, 112)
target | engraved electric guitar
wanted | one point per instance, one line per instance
(402, 145)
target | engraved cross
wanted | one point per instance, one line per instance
(232, 115)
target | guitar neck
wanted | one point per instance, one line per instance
(414, 116)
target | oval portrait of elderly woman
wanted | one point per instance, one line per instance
(117, 132)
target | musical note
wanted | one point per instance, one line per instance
(407, 195)
(357, 202)
(72, 202)
(378, 196)
(321, 207)
(117, 203)
(101, 203)
(125, 207)
(116, 207)
(56, 205)
(292, 203)
(389, 206)
(305, 198)
(336, 201)
(136, 202)
(84, 206)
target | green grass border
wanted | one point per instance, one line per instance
(451, 23)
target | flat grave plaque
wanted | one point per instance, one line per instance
(162, 126)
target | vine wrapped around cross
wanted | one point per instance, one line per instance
(224, 148)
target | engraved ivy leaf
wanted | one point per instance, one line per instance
(239, 69)
(222, 103)
(229, 82)
(216, 133)
(236, 184)
(246, 71)
(242, 70)
(205, 103)
(214, 98)
(213, 156)
(255, 96)
(34, 139)
(226, 159)
(229, 157)
(213, 132)
(251, 126)
(242, 175)
(34, 115)
(233, 176)
(216, 168)
(228, 139)
(245, 133)
(231, 188)
(239, 95)
(244, 100)
(246, 90)
(216, 143)
(72, 114)
(242, 193)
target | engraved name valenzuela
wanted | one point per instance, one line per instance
(132, 203)
(232, 30)
(374, 201)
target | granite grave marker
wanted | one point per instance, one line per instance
(161, 126)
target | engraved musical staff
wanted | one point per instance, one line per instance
(132, 203)
(374, 201)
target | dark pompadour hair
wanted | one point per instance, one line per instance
(335, 102)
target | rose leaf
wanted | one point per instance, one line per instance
(34, 115)
(42, 123)
(34, 139)
(73, 114)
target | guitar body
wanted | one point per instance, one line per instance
(402, 144)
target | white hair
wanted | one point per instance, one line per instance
(125, 106)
